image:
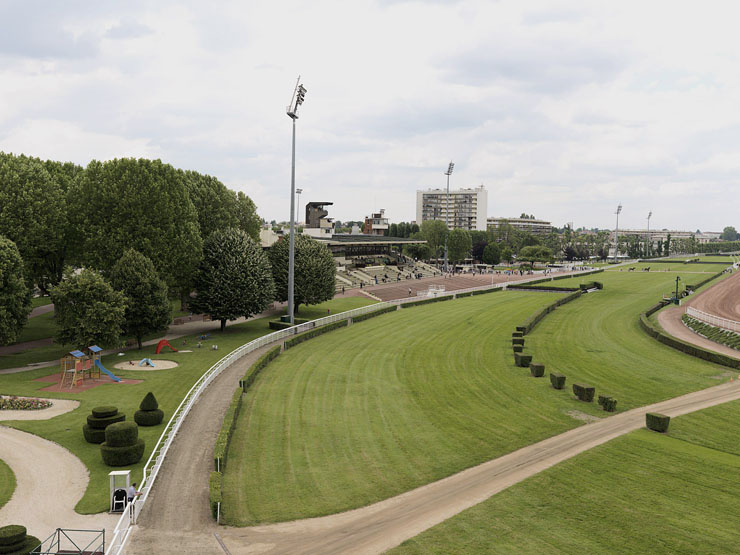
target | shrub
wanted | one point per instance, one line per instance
(522, 360)
(15, 541)
(280, 325)
(484, 291)
(121, 434)
(149, 402)
(517, 334)
(122, 456)
(257, 367)
(104, 412)
(102, 423)
(220, 451)
(537, 370)
(427, 301)
(557, 380)
(149, 413)
(657, 422)
(93, 435)
(305, 336)
(610, 405)
(11, 534)
(373, 314)
(584, 392)
(553, 288)
(602, 399)
(461, 295)
(517, 341)
(518, 348)
(214, 491)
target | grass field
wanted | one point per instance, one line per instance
(38, 327)
(674, 493)
(368, 412)
(7, 483)
(169, 386)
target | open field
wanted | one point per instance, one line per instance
(641, 493)
(679, 266)
(38, 327)
(7, 483)
(169, 386)
(388, 405)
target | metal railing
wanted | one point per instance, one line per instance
(72, 542)
(122, 531)
(712, 320)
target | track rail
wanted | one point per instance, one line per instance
(711, 319)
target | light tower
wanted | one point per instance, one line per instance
(299, 94)
(448, 173)
(616, 233)
(298, 202)
(647, 241)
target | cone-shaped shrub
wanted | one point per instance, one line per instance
(15, 541)
(657, 422)
(149, 413)
(557, 380)
(122, 444)
(98, 421)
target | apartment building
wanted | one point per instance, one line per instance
(467, 208)
(535, 227)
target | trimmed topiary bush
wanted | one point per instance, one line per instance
(15, 541)
(557, 380)
(518, 348)
(122, 445)
(610, 405)
(93, 435)
(657, 422)
(584, 392)
(98, 421)
(11, 534)
(103, 423)
(517, 341)
(104, 412)
(149, 413)
(517, 334)
(537, 370)
(523, 360)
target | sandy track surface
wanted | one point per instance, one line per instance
(49, 482)
(176, 518)
(384, 525)
(59, 406)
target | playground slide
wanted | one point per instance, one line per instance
(110, 374)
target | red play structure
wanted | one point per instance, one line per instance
(162, 344)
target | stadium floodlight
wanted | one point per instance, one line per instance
(299, 94)
(298, 202)
(647, 240)
(616, 233)
(448, 173)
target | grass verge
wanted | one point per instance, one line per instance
(7, 483)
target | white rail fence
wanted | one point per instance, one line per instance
(724, 323)
(122, 531)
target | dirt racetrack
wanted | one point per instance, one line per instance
(722, 299)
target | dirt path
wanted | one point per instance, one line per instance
(49, 482)
(176, 518)
(384, 525)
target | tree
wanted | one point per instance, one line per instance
(246, 216)
(140, 204)
(492, 254)
(234, 278)
(420, 251)
(32, 215)
(434, 232)
(506, 254)
(215, 205)
(315, 271)
(535, 253)
(478, 248)
(459, 244)
(729, 234)
(148, 309)
(88, 311)
(15, 296)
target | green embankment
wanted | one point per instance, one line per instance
(7, 483)
(368, 412)
(641, 493)
(169, 386)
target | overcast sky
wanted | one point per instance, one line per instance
(561, 109)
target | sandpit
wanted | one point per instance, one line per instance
(134, 365)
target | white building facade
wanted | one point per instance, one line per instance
(467, 208)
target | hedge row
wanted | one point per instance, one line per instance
(314, 332)
(657, 422)
(280, 325)
(362, 317)
(542, 287)
(214, 491)
(688, 348)
(533, 320)
(223, 440)
(427, 301)
(704, 281)
(578, 275)
(257, 367)
(713, 333)
(484, 291)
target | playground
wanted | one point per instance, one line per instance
(147, 364)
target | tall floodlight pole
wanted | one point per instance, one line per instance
(647, 241)
(616, 233)
(298, 202)
(448, 173)
(292, 110)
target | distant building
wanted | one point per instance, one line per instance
(468, 208)
(317, 224)
(376, 224)
(535, 227)
(662, 235)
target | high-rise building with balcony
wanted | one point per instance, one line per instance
(467, 208)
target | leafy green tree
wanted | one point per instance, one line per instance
(729, 233)
(434, 231)
(234, 278)
(478, 248)
(15, 296)
(393, 230)
(148, 309)
(492, 254)
(140, 204)
(420, 251)
(214, 204)
(88, 311)
(246, 216)
(506, 254)
(535, 253)
(315, 271)
(32, 215)
(459, 245)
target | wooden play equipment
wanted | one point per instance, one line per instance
(94, 353)
(73, 367)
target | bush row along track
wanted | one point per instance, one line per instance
(381, 526)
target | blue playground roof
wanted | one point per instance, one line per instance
(95, 349)
(77, 354)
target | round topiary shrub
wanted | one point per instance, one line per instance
(121, 434)
(122, 456)
(93, 435)
(103, 423)
(149, 413)
(11, 534)
(15, 541)
(104, 412)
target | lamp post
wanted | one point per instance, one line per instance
(298, 202)
(647, 241)
(448, 173)
(616, 233)
(292, 110)
(678, 278)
